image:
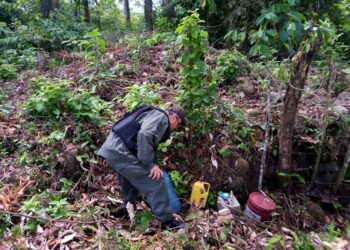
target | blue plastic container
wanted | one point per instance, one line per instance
(175, 204)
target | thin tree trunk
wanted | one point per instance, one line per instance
(148, 16)
(56, 4)
(46, 6)
(127, 12)
(290, 106)
(325, 123)
(86, 11)
(166, 3)
(343, 169)
(98, 14)
(77, 10)
(323, 137)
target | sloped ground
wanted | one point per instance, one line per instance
(88, 218)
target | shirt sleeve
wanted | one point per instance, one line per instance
(152, 129)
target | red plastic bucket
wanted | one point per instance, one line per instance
(259, 207)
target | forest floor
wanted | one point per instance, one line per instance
(41, 208)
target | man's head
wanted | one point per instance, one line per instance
(177, 115)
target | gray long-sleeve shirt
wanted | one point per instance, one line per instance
(154, 125)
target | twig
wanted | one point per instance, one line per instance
(52, 220)
(343, 169)
(258, 223)
(238, 238)
(266, 142)
(323, 137)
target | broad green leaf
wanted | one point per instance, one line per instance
(271, 32)
(265, 50)
(275, 239)
(284, 36)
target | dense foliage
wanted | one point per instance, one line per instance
(69, 69)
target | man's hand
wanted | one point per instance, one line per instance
(156, 172)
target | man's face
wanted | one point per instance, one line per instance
(175, 121)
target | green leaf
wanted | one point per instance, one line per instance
(39, 107)
(275, 239)
(296, 16)
(284, 36)
(265, 50)
(259, 20)
(254, 50)
(271, 32)
(212, 6)
(271, 16)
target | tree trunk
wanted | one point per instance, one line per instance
(46, 6)
(86, 11)
(343, 169)
(98, 14)
(302, 62)
(148, 15)
(77, 10)
(165, 3)
(127, 12)
(56, 4)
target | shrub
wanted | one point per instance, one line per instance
(53, 98)
(230, 65)
(8, 71)
(144, 94)
(92, 43)
(197, 88)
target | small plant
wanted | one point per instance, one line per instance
(66, 185)
(225, 152)
(275, 242)
(119, 240)
(181, 182)
(143, 220)
(54, 137)
(3, 150)
(53, 98)
(303, 242)
(145, 94)
(230, 65)
(5, 223)
(92, 43)
(293, 175)
(8, 71)
(239, 127)
(333, 232)
(43, 204)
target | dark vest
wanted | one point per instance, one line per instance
(127, 128)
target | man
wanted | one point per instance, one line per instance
(131, 150)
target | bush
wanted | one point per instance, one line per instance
(144, 94)
(8, 71)
(230, 65)
(53, 98)
(197, 88)
(23, 59)
(92, 43)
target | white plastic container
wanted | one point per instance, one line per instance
(230, 202)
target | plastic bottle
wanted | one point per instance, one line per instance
(175, 204)
(222, 204)
(228, 201)
(234, 203)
